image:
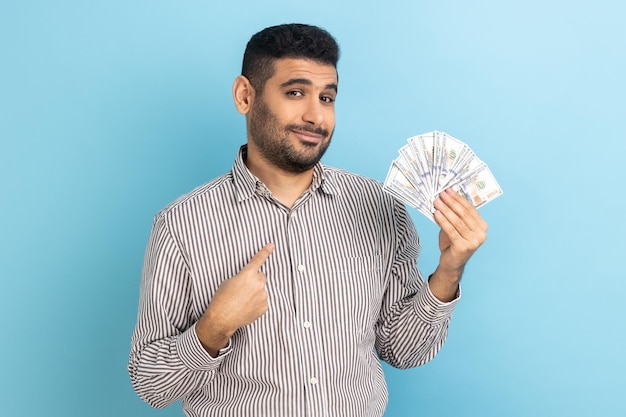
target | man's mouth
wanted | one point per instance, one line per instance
(308, 137)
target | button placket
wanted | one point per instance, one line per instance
(305, 304)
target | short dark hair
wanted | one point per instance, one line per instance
(286, 41)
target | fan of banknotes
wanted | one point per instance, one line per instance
(434, 161)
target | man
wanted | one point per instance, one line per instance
(275, 289)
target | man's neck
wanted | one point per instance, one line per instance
(285, 186)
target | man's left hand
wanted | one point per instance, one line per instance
(463, 230)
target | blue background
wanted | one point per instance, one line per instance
(109, 110)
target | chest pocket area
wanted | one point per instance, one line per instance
(355, 289)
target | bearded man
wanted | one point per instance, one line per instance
(277, 288)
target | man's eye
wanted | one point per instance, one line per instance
(294, 93)
(327, 99)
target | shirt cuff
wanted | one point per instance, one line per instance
(432, 310)
(194, 356)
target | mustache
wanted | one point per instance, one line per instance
(306, 128)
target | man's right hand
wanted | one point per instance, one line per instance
(238, 301)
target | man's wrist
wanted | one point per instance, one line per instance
(212, 338)
(445, 284)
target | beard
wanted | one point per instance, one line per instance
(272, 140)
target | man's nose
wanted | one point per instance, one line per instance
(314, 112)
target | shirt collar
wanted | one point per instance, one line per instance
(246, 184)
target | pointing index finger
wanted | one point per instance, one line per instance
(260, 257)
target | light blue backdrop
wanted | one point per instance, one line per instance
(110, 109)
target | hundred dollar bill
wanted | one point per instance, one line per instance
(422, 146)
(398, 185)
(408, 163)
(479, 188)
(457, 155)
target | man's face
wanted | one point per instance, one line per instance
(292, 122)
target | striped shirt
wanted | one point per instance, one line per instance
(344, 292)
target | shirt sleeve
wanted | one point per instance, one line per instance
(413, 323)
(166, 360)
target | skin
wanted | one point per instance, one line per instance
(289, 128)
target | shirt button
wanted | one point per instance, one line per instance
(427, 308)
(313, 381)
(306, 324)
(301, 268)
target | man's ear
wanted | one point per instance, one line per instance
(243, 94)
